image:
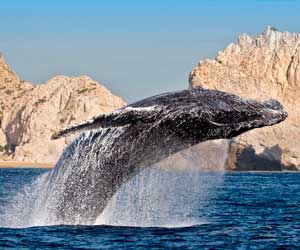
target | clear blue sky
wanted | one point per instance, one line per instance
(135, 48)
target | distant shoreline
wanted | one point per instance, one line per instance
(20, 164)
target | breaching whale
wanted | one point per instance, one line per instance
(114, 147)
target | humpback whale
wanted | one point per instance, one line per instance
(112, 148)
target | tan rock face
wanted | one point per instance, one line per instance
(29, 114)
(260, 67)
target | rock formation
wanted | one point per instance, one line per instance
(260, 67)
(29, 113)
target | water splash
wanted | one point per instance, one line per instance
(156, 197)
(25, 209)
(162, 198)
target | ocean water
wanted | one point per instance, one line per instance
(162, 209)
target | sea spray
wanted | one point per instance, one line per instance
(155, 197)
(21, 208)
(169, 196)
(162, 198)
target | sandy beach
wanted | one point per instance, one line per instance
(17, 164)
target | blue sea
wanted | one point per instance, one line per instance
(172, 210)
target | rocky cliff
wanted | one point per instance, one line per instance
(260, 67)
(29, 114)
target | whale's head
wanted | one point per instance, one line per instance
(202, 114)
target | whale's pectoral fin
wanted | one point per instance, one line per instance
(86, 125)
(118, 118)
